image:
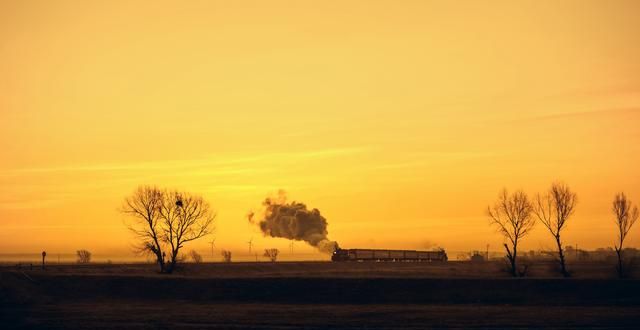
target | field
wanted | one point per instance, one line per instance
(315, 295)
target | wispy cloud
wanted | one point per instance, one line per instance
(214, 160)
(424, 159)
(581, 114)
(38, 187)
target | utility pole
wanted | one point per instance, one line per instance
(487, 252)
(250, 242)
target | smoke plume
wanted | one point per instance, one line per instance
(293, 221)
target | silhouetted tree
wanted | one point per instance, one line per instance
(84, 256)
(185, 218)
(164, 221)
(512, 215)
(195, 256)
(626, 215)
(144, 206)
(553, 209)
(272, 254)
(226, 255)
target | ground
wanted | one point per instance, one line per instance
(316, 295)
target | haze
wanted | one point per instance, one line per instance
(400, 122)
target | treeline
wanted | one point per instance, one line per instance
(515, 215)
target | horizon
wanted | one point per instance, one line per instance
(399, 123)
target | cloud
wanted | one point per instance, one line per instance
(582, 114)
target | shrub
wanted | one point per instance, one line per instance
(84, 256)
(195, 256)
(226, 256)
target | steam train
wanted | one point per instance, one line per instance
(387, 255)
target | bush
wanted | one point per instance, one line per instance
(226, 256)
(272, 254)
(195, 256)
(84, 256)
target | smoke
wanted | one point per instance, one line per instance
(293, 221)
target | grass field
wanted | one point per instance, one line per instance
(316, 295)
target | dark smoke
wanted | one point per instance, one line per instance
(293, 221)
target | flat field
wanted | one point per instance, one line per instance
(316, 295)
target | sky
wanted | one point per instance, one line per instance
(399, 120)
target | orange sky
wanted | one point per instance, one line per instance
(399, 120)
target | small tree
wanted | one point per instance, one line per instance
(226, 255)
(272, 254)
(84, 256)
(626, 215)
(195, 256)
(553, 209)
(512, 215)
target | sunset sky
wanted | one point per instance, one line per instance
(399, 120)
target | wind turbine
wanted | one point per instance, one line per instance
(250, 242)
(291, 247)
(213, 245)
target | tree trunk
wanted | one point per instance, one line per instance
(563, 267)
(619, 268)
(172, 265)
(515, 264)
(160, 261)
(512, 260)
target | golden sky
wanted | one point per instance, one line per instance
(399, 120)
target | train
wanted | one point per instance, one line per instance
(388, 255)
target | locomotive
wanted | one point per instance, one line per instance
(387, 255)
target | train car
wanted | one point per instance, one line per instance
(388, 255)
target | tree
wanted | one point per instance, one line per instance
(553, 209)
(272, 254)
(165, 221)
(226, 255)
(84, 256)
(512, 215)
(143, 206)
(626, 215)
(195, 256)
(185, 218)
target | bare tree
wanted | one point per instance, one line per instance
(143, 206)
(195, 256)
(165, 221)
(185, 218)
(553, 209)
(512, 215)
(272, 254)
(226, 255)
(626, 215)
(84, 256)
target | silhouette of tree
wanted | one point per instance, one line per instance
(84, 256)
(144, 207)
(512, 215)
(185, 218)
(165, 221)
(626, 215)
(226, 255)
(272, 254)
(553, 209)
(195, 256)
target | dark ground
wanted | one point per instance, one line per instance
(315, 296)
